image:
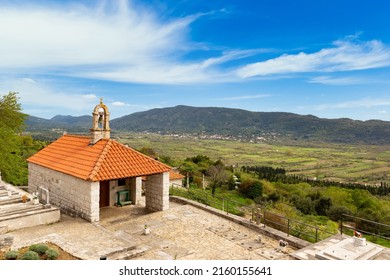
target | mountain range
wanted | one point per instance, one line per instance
(233, 123)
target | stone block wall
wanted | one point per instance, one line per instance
(72, 195)
(157, 192)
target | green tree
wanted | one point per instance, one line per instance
(189, 169)
(218, 176)
(12, 164)
(149, 152)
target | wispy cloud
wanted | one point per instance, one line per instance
(345, 55)
(77, 35)
(336, 81)
(89, 96)
(38, 94)
(246, 97)
(360, 103)
(113, 40)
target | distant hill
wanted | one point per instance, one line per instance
(68, 123)
(236, 123)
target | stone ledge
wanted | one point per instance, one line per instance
(273, 233)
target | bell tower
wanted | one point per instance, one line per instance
(100, 123)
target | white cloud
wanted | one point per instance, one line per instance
(37, 36)
(122, 42)
(40, 98)
(118, 103)
(360, 103)
(113, 41)
(89, 96)
(345, 55)
(246, 97)
(339, 81)
(174, 72)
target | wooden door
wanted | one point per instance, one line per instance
(104, 194)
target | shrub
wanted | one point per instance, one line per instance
(251, 188)
(39, 248)
(30, 255)
(11, 255)
(52, 254)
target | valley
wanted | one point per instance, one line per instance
(337, 162)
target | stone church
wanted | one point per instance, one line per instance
(86, 173)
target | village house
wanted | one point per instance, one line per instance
(86, 173)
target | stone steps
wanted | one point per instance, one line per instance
(127, 253)
(10, 200)
(9, 196)
(19, 208)
(370, 254)
(14, 214)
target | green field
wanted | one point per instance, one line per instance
(347, 163)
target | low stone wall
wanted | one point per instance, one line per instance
(273, 233)
(30, 219)
(73, 196)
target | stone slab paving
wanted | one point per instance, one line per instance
(76, 236)
(185, 232)
(182, 232)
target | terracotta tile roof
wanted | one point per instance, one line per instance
(175, 176)
(172, 176)
(105, 160)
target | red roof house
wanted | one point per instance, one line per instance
(85, 173)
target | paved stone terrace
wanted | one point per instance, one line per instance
(183, 232)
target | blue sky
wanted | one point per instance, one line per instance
(328, 58)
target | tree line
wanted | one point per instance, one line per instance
(272, 174)
(14, 146)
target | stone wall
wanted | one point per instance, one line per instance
(73, 196)
(157, 192)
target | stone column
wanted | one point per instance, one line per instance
(157, 192)
(94, 202)
(135, 185)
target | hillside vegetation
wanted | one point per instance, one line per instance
(315, 202)
(233, 124)
(333, 162)
(241, 124)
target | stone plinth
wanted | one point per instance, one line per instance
(347, 250)
(359, 241)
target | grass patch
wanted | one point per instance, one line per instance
(228, 201)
